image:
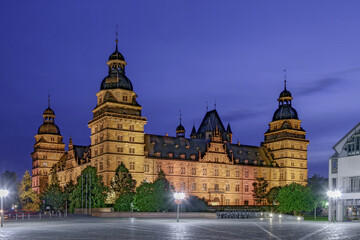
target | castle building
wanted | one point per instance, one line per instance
(207, 164)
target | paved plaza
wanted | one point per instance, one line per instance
(115, 228)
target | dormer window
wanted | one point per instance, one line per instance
(182, 155)
(171, 155)
(158, 154)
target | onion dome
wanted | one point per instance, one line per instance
(180, 130)
(116, 76)
(49, 126)
(285, 110)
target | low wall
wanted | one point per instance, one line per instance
(154, 214)
(93, 210)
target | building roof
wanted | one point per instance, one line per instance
(160, 147)
(49, 128)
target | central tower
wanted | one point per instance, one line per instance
(117, 127)
(286, 141)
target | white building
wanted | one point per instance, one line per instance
(344, 175)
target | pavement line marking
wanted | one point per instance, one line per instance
(268, 232)
(311, 234)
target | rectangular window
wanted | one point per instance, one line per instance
(292, 163)
(237, 201)
(101, 166)
(120, 126)
(101, 138)
(281, 176)
(301, 176)
(158, 168)
(334, 183)
(237, 188)
(193, 171)
(45, 164)
(334, 165)
(227, 201)
(216, 187)
(204, 171)
(246, 174)
(101, 150)
(292, 175)
(274, 175)
(193, 187)
(255, 174)
(171, 169)
(204, 187)
(120, 149)
(216, 172)
(132, 139)
(120, 138)
(228, 173)
(246, 189)
(146, 168)
(182, 186)
(132, 127)
(182, 170)
(227, 187)
(125, 98)
(132, 165)
(131, 150)
(216, 159)
(96, 152)
(237, 173)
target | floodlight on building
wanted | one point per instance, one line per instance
(334, 194)
(271, 215)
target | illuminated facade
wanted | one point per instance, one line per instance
(207, 164)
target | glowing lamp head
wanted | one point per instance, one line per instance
(298, 218)
(3, 192)
(179, 195)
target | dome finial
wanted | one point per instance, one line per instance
(285, 79)
(48, 100)
(180, 115)
(116, 40)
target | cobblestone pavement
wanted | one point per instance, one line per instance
(106, 228)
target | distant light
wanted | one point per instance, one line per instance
(179, 195)
(271, 215)
(3, 192)
(298, 218)
(327, 203)
(280, 216)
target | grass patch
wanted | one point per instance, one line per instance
(318, 218)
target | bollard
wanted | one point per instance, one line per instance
(28, 216)
(15, 216)
(22, 216)
(40, 215)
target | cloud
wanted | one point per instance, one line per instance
(320, 85)
(240, 115)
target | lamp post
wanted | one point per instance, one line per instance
(3, 193)
(334, 194)
(179, 196)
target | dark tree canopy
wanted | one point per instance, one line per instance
(260, 189)
(295, 198)
(29, 200)
(88, 182)
(122, 182)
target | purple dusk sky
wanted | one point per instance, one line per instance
(180, 55)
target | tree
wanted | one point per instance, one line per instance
(295, 198)
(259, 191)
(8, 181)
(29, 200)
(272, 195)
(156, 196)
(124, 202)
(122, 182)
(195, 204)
(88, 182)
(53, 195)
(319, 187)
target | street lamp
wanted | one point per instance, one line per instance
(3, 193)
(179, 196)
(334, 194)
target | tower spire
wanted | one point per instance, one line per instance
(116, 40)
(180, 115)
(285, 79)
(48, 100)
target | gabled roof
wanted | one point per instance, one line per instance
(210, 122)
(339, 145)
(81, 151)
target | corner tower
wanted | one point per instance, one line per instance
(48, 149)
(117, 127)
(286, 141)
